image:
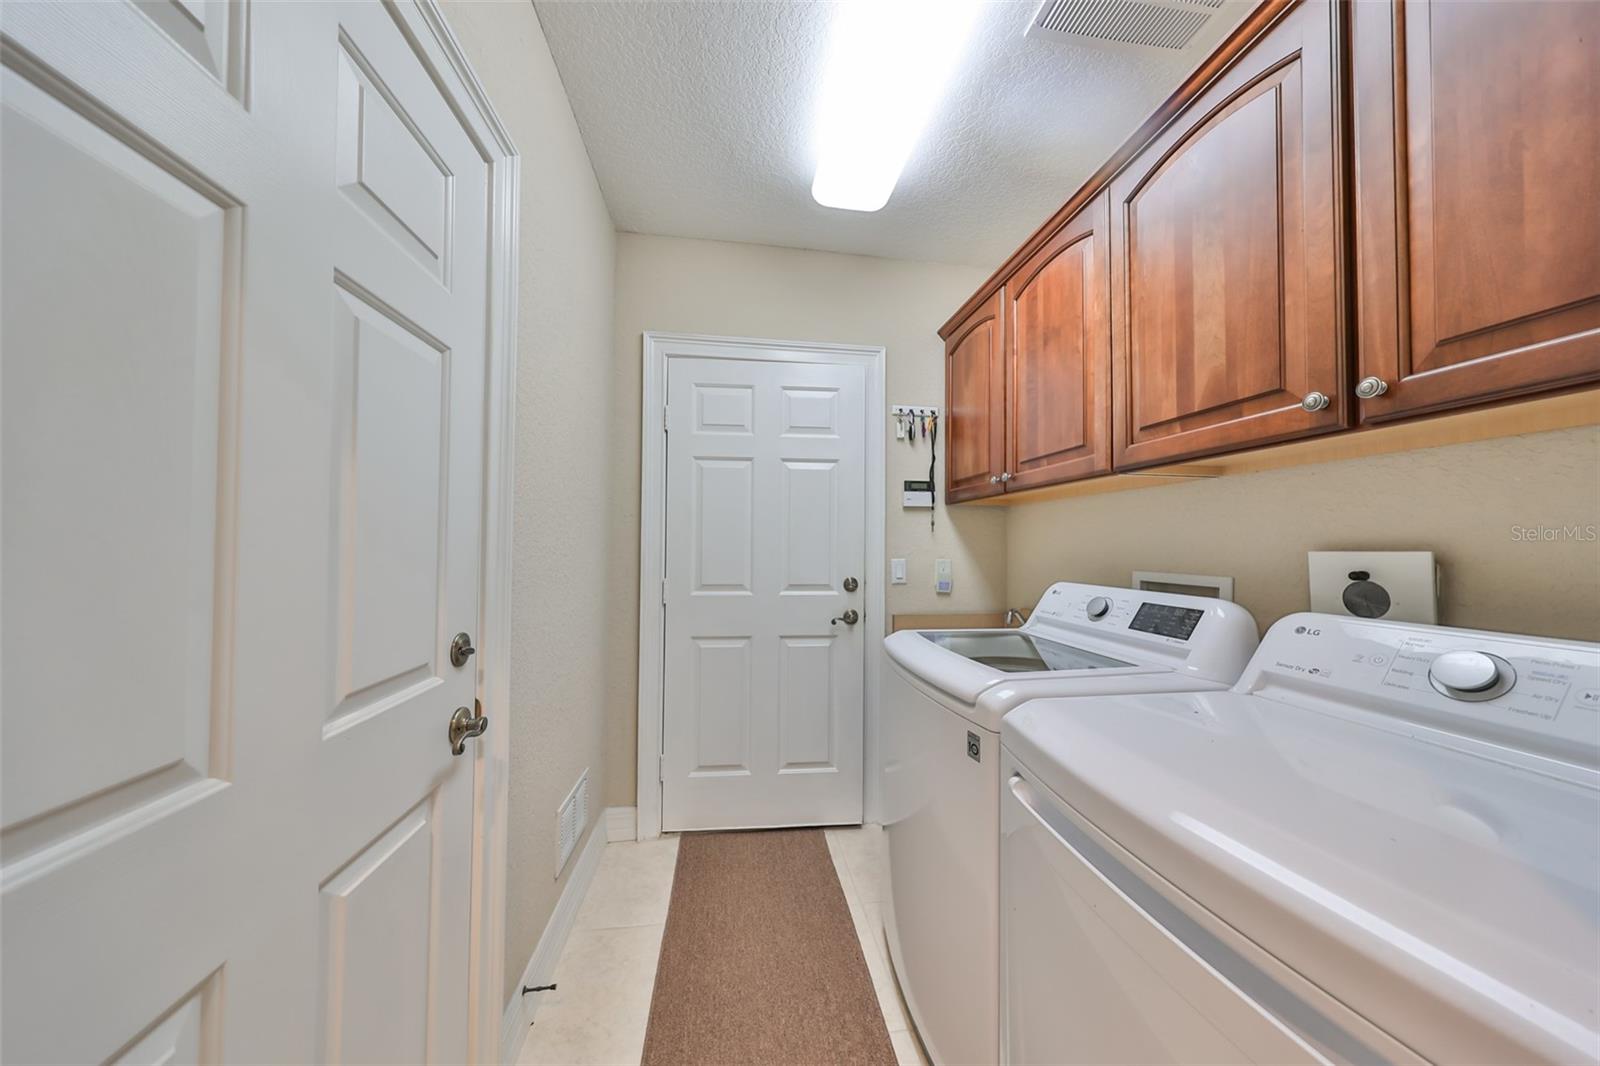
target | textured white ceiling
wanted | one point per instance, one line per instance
(698, 119)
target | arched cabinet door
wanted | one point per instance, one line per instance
(975, 398)
(1477, 200)
(1058, 356)
(1226, 260)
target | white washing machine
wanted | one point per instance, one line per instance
(1382, 845)
(942, 705)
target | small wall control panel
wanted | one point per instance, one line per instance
(1503, 687)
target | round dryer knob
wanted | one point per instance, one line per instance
(1470, 675)
(1098, 608)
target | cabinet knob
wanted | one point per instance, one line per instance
(994, 479)
(1369, 387)
(1006, 476)
(1314, 401)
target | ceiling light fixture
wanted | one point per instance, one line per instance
(888, 64)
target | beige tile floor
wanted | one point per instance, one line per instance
(606, 973)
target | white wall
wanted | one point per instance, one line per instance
(1464, 502)
(565, 450)
(749, 290)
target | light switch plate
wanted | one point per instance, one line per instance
(942, 581)
(897, 571)
(1396, 586)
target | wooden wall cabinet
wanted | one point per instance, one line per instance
(1028, 372)
(1226, 261)
(1350, 214)
(975, 401)
(1477, 188)
(1058, 356)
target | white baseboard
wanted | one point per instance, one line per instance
(622, 823)
(542, 963)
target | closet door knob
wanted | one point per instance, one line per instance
(1369, 387)
(1314, 401)
(465, 724)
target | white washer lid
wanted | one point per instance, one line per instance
(1448, 893)
(966, 680)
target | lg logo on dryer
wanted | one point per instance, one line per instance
(1305, 631)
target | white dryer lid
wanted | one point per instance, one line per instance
(1446, 889)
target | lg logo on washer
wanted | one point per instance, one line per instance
(1305, 631)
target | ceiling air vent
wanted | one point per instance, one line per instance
(1169, 24)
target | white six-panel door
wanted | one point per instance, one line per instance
(765, 522)
(243, 339)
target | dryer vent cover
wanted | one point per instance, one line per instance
(1165, 24)
(1396, 586)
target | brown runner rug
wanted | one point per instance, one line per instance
(760, 962)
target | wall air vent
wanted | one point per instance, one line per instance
(571, 820)
(1167, 24)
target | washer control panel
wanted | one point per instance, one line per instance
(1207, 639)
(1166, 620)
(1169, 618)
(1499, 685)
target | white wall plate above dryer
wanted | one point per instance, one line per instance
(1393, 586)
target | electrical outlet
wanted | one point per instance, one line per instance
(942, 581)
(897, 571)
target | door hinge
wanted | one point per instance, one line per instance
(665, 420)
(661, 768)
(663, 592)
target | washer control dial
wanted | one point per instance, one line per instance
(1471, 675)
(1098, 608)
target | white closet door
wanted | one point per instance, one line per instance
(243, 248)
(765, 508)
(409, 233)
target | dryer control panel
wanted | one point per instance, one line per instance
(1539, 693)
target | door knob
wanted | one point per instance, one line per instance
(464, 724)
(1369, 387)
(1314, 401)
(461, 649)
(849, 618)
(851, 584)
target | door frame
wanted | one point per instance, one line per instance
(436, 43)
(658, 349)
